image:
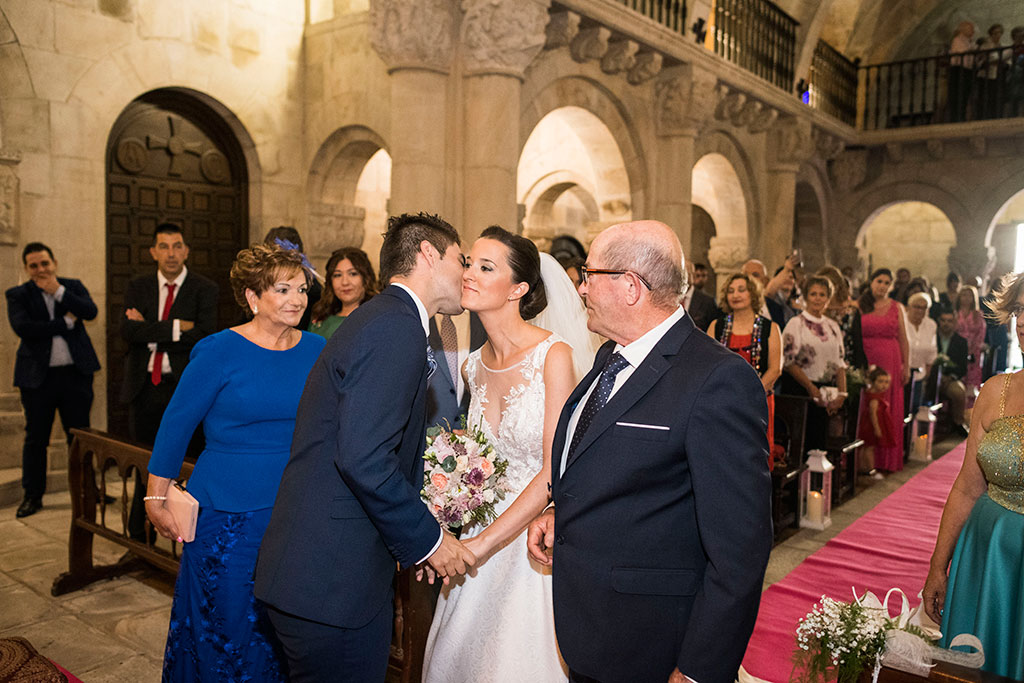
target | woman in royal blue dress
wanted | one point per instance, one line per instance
(982, 527)
(244, 385)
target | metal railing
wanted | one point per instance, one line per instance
(668, 13)
(757, 36)
(833, 84)
(949, 88)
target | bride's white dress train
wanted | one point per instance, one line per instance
(497, 624)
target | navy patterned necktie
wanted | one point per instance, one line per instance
(598, 397)
(431, 362)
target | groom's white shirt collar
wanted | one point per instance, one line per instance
(419, 307)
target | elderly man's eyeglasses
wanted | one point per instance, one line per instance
(586, 272)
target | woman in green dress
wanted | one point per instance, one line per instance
(350, 282)
(982, 527)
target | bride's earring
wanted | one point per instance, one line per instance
(255, 309)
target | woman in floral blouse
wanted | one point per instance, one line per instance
(813, 358)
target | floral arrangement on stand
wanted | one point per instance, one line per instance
(839, 641)
(463, 477)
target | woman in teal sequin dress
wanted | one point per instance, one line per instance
(982, 526)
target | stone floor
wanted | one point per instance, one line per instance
(114, 631)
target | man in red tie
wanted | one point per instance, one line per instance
(164, 317)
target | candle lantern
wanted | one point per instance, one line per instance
(816, 491)
(922, 434)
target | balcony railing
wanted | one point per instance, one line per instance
(833, 84)
(757, 36)
(669, 13)
(969, 86)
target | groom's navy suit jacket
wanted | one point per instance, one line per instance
(349, 503)
(663, 517)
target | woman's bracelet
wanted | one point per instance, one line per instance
(154, 498)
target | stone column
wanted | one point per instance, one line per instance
(790, 143)
(684, 101)
(415, 38)
(500, 38)
(12, 424)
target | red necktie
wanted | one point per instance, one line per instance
(158, 357)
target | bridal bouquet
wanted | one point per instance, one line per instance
(463, 477)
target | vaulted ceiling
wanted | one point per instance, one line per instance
(888, 30)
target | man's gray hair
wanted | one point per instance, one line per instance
(648, 258)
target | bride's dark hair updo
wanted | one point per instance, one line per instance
(524, 260)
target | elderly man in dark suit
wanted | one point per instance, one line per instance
(55, 361)
(166, 313)
(660, 522)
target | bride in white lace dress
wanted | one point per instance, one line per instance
(497, 623)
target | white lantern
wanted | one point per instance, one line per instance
(922, 435)
(816, 492)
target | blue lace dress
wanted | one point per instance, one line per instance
(985, 594)
(246, 396)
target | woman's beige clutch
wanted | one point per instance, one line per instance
(185, 510)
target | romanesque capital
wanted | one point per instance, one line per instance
(685, 99)
(849, 169)
(8, 204)
(503, 36)
(413, 33)
(790, 143)
(827, 145)
(727, 255)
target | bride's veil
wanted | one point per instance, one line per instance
(566, 316)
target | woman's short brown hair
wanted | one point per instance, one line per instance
(819, 281)
(1004, 304)
(259, 267)
(753, 286)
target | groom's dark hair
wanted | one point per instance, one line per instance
(402, 241)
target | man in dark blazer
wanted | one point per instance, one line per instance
(701, 308)
(447, 395)
(951, 387)
(348, 508)
(660, 523)
(55, 361)
(166, 313)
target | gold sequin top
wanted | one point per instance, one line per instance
(1001, 456)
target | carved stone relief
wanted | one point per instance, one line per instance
(332, 226)
(727, 255)
(646, 66)
(413, 33)
(685, 100)
(590, 43)
(561, 29)
(791, 142)
(503, 36)
(8, 205)
(849, 169)
(621, 56)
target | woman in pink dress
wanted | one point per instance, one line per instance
(970, 325)
(886, 345)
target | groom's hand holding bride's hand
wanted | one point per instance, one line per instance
(541, 536)
(450, 558)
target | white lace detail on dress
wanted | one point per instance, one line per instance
(518, 393)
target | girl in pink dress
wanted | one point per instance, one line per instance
(971, 326)
(886, 345)
(874, 423)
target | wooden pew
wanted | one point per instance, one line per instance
(93, 451)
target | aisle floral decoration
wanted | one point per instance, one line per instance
(838, 641)
(463, 477)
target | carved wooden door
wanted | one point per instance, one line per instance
(169, 159)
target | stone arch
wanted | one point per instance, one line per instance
(588, 94)
(341, 200)
(1002, 234)
(571, 177)
(908, 229)
(969, 255)
(810, 218)
(727, 165)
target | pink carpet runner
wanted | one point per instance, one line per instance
(889, 546)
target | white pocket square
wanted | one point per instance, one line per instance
(640, 426)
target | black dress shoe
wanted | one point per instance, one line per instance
(29, 506)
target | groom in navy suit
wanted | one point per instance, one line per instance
(660, 522)
(348, 509)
